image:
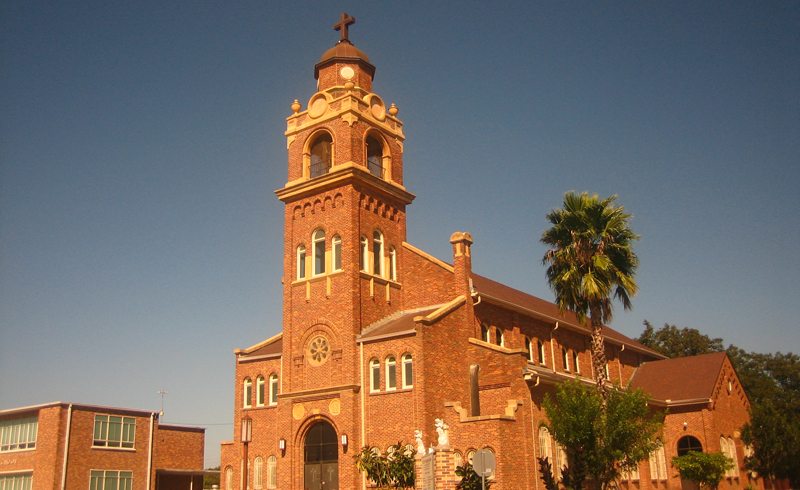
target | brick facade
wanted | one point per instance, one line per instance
(65, 452)
(338, 323)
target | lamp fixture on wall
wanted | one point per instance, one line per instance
(344, 442)
(282, 445)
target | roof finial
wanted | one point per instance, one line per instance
(341, 26)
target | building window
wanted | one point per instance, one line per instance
(485, 333)
(272, 472)
(498, 337)
(658, 464)
(301, 262)
(545, 445)
(374, 376)
(114, 431)
(111, 480)
(561, 460)
(18, 434)
(393, 264)
(375, 157)
(336, 247)
(687, 444)
(565, 358)
(608, 373)
(364, 254)
(258, 473)
(247, 393)
(318, 250)
(229, 478)
(408, 371)
(577, 365)
(631, 474)
(540, 349)
(273, 389)
(728, 448)
(15, 481)
(260, 391)
(321, 155)
(529, 348)
(377, 253)
(391, 373)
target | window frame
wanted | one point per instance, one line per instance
(247, 393)
(301, 271)
(379, 164)
(325, 163)
(336, 253)
(258, 473)
(499, 338)
(374, 376)
(273, 389)
(576, 362)
(393, 264)
(127, 432)
(103, 477)
(260, 391)
(272, 472)
(377, 253)
(565, 358)
(19, 434)
(541, 352)
(364, 254)
(529, 348)
(391, 373)
(407, 369)
(486, 333)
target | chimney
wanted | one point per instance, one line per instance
(462, 271)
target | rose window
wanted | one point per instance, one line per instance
(318, 350)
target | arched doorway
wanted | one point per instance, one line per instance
(321, 457)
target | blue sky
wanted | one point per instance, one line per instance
(141, 142)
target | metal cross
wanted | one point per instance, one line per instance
(341, 26)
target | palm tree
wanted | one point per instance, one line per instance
(589, 258)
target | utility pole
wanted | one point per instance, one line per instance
(162, 392)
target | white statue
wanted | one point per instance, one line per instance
(441, 429)
(420, 444)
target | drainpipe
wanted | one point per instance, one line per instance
(66, 448)
(150, 450)
(363, 410)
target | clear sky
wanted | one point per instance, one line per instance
(141, 142)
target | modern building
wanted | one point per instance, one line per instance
(72, 446)
(379, 338)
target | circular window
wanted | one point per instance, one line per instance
(318, 350)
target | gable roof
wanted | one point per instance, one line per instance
(680, 380)
(396, 324)
(507, 296)
(270, 347)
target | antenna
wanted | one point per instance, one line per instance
(162, 392)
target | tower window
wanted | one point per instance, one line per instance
(336, 246)
(364, 254)
(301, 262)
(393, 264)
(318, 244)
(377, 253)
(375, 157)
(321, 155)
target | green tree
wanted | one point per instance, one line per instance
(678, 342)
(600, 446)
(394, 469)
(470, 480)
(707, 469)
(211, 478)
(590, 259)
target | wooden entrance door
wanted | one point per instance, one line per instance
(321, 455)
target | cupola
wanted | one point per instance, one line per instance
(344, 62)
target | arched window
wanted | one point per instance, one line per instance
(540, 348)
(529, 348)
(336, 247)
(272, 472)
(318, 247)
(228, 478)
(408, 371)
(498, 337)
(364, 254)
(260, 391)
(374, 376)
(321, 155)
(730, 446)
(470, 455)
(273, 389)
(377, 253)
(576, 363)
(258, 473)
(458, 459)
(247, 393)
(391, 373)
(561, 460)
(485, 332)
(658, 464)
(565, 358)
(393, 264)
(687, 444)
(375, 157)
(545, 445)
(301, 262)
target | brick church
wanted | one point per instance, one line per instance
(380, 338)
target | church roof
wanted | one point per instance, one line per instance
(680, 380)
(268, 347)
(537, 307)
(395, 324)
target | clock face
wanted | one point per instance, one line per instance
(347, 72)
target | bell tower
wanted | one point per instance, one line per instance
(345, 220)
